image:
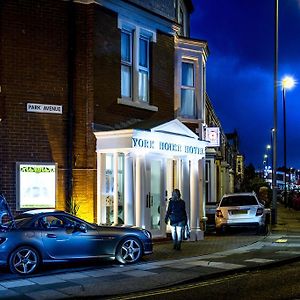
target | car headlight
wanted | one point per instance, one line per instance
(2, 240)
(147, 233)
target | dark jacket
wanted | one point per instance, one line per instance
(176, 212)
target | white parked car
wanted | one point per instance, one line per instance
(240, 210)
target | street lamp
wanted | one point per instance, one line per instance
(287, 83)
(265, 165)
(274, 140)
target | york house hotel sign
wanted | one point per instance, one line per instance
(167, 144)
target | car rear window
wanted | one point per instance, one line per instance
(238, 201)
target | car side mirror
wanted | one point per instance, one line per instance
(81, 227)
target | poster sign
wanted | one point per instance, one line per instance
(36, 185)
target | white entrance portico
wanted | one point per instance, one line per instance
(138, 169)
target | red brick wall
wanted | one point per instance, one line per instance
(107, 70)
(34, 68)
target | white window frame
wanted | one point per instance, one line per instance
(189, 88)
(145, 69)
(195, 52)
(137, 32)
(128, 63)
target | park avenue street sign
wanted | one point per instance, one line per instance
(44, 108)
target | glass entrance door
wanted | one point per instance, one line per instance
(156, 197)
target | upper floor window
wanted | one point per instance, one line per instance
(126, 64)
(135, 65)
(188, 103)
(128, 72)
(190, 82)
(143, 69)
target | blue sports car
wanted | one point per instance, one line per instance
(47, 235)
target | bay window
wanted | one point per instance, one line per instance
(188, 103)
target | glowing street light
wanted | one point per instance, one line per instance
(287, 83)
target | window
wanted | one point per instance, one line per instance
(135, 65)
(143, 69)
(128, 72)
(108, 196)
(188, 103)
(126, 64)
(207, 181)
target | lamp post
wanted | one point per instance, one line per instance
(274, 144)
(287, 83)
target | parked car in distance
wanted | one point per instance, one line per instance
(47, 235)
(240, 210)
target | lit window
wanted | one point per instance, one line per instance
(126, 67)
(143, 69)
(131, 75)
(188, 103)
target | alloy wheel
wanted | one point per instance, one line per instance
(24, 260)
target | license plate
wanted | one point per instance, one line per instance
(239, 212)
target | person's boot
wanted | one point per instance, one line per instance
(178, 246)
(174, 245)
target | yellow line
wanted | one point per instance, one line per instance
(174, 289)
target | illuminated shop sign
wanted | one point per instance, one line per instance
(168, 144)
(36, 185)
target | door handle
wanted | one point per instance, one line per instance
(51, 235)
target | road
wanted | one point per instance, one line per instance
(281, 282)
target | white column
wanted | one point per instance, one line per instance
(101, 205)
(185, 187)
(116, 196)
(169, 177)
(138, 191)
(202, 190)
(179, 175)
(213, 181)
(128, 190)
(196, 233)
(99, 187)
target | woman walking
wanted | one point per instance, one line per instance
(176, 213)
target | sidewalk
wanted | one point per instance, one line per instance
(215, 256)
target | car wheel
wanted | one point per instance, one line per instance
(24, 260)
(129, 251)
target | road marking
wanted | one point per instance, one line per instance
(281, 241)
(260, 260)
(288, 252)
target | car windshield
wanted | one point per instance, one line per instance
(238, 201)
(17, 223)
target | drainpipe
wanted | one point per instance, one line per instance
(70, 117)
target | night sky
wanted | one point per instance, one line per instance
(240, 71)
